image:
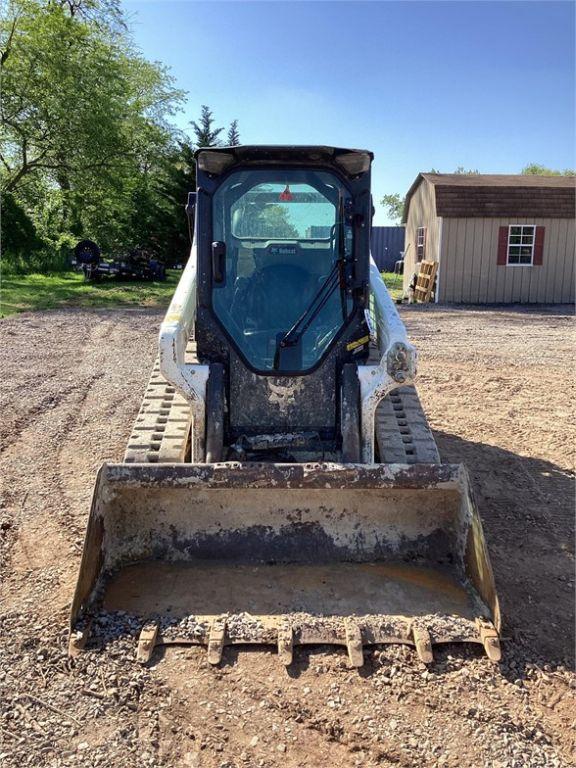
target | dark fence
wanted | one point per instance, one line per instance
(387, 243)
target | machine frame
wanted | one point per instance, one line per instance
(397, 357)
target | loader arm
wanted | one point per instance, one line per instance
(188, 378)
(397, 366)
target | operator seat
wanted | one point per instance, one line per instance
(272, 298)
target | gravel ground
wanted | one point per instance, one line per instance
(498, 388)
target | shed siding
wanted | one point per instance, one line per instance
(470, 273)
(421, 213)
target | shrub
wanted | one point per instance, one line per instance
(23, 250)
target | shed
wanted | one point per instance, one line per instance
(496, 238)
(386, 246)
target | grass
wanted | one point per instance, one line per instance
(24, 293)
(394, 284)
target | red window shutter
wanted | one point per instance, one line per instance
(538, 247)
(503, 245)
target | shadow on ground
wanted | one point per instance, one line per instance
(543, 310)
(527, 509)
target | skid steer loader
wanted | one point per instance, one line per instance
(281, 484)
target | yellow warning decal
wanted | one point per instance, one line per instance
(358, 343)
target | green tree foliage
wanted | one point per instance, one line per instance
(540, 170)
(274, 221)
(206, 134)
(394, 204)
(533, 169)
(168, 231)
(461, 171)
(104, 13)
(271, 220)
(233, 136)
(88, 147)
(76, 101)
(18, 231)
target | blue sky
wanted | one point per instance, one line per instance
(486, 85)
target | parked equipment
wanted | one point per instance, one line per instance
(87, 259)
(138, 264)
(281, 484)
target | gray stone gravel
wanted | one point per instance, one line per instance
(51, 706)
(72, 383)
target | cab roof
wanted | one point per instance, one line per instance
(216, 160)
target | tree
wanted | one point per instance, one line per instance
(271, 220)
(274, 221)
(106, 14)
(461, 171)
(168, 235)
(74, 102)
(85, 118)
(19, 235)
(394, 204)
(540, 170)
(233, 138)
(206, 134)
(88, 146)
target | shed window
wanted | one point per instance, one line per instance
(521, 244)
(420, 243)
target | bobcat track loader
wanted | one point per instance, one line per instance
(281, 484)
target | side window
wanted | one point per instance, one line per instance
(521, 244)
(420, 243)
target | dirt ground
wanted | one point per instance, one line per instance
(498, 386)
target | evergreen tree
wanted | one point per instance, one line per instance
(233, 134)
(171, 225)
(206, 134)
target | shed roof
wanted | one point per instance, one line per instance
(491, 195)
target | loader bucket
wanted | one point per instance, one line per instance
(286, 554)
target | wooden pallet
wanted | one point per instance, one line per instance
(425, 281)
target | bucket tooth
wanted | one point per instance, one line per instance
(146, 643)
(234, 548)
(285, 644)
(216, 638)
(423, 644)
(354, 644)
(490, 639)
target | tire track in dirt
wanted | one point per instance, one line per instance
(46, 516)
(28, 419)
(56, 442)
(496, 391)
